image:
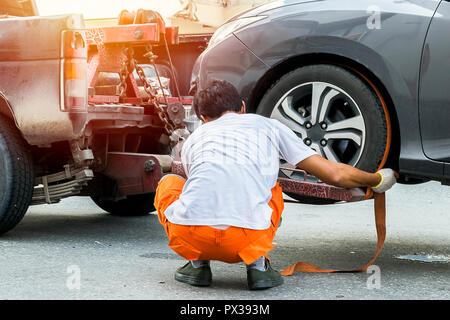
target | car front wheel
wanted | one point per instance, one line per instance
(334, 112)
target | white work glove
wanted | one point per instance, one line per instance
(388, 179)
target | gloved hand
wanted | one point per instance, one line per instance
(388, 179)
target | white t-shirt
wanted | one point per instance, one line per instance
(232, 163)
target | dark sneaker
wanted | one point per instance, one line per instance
(200, 277)
(258, 280)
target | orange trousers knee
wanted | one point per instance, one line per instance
(206, 243)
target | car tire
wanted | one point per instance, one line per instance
(360, 141)
(135, 205)
(16, 175)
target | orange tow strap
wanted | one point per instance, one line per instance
(380, 221)
(379, 202)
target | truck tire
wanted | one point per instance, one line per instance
(349, 124)
(16, 176)
(136, 205)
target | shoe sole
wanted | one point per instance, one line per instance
(265, 284)
(193, 281)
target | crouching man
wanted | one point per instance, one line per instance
(230, 206)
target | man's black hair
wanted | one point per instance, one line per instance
(217, 98)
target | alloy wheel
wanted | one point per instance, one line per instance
(326, 118)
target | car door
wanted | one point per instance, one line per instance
(434, 100)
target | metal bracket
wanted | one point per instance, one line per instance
(136, 173)
(81, 157)
(303, 187)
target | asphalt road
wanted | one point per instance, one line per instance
(74, 250)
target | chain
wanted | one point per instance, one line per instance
(127, 68)
(147, 87)
(169, 128)
(123, 80)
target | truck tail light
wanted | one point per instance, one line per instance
(73, 71)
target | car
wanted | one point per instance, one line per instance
(361, 82)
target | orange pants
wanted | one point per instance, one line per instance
(206, 243)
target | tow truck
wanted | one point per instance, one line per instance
(96, 110)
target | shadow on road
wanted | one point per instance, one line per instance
(102, 226)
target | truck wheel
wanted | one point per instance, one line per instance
(16, 176)
(332, 111)
(136, 205)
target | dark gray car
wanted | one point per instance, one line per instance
(362, 82)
